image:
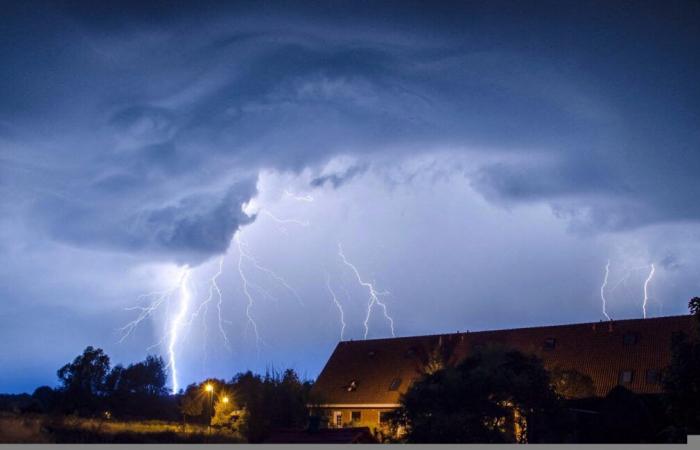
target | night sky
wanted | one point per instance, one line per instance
(480, 163)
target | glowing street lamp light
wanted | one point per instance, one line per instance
(225, 399)
(210, 389)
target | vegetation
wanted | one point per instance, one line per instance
(682, 379)
(98, 403)
(254, 406)
(495, 395)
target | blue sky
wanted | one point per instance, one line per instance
(479, 162)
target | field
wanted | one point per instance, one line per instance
(36, 428)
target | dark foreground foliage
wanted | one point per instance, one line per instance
(486, 398)
(247, 405)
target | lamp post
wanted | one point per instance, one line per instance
(210, 389)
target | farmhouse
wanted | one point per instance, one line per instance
(363, 380)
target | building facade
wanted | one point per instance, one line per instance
(363, 380)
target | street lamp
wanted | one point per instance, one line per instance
(225, 399)
(210, 389)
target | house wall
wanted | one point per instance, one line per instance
(369, 417)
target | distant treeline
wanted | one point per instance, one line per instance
(248, 403)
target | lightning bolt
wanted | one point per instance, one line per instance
(373, 295)
(185, 298)
(246, 292)
(602, 289)
(203, 307)
(158, 298)
(301, 223)
(646, 293)
(243, 247)
(338, 305)
(299, 198)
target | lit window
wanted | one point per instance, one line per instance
(626, 377)
(352, 386)
(550, 343)
(653, 376)
(356, 416)
(629, 339)
(395, 383)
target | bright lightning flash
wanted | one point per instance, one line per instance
(244, 281)
(602, 290)
(338, 305)
(299, 198)
(373, 294)
(646, 292)
(175, 325)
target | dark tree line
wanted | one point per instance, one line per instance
(89, 386)
(253, 406)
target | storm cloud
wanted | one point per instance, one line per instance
(136, 134)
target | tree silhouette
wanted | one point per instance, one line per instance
(83, 380)
(496, 395)
(682, 378)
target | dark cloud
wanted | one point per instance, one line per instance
(340, 178)
(138, 129)
(186, 231)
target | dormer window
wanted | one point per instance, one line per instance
(653, 376)
(629, 339)
(626, 377)
(549, 343)
(352, 386)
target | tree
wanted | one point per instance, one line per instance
(682, 377)
(274, 401)
(625, 418)
(496, 395)
(223, 409)
(47, 398)
(570, 383)
(83, 380)
(191, 402)
(137, 390)
(438, 356)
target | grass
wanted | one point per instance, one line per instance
(36, 428)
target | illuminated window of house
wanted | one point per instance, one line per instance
(356, 416)
(352, 386)
(626, 377)
(338, 419)
(550, 343)
(629, 339)
(653, 376)
(395, 383)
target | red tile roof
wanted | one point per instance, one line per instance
(594, 349)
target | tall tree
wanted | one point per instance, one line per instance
(83, 380)
(496, 395)
(137, 390)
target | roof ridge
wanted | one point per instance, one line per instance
(535, 327)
